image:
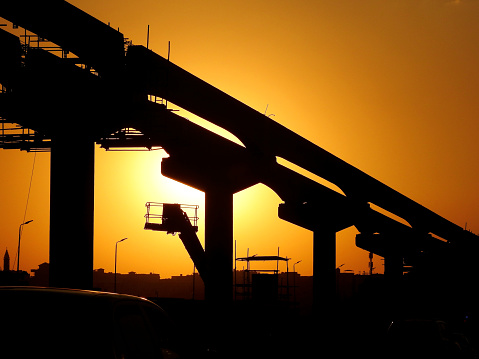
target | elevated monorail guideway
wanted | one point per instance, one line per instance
(267, 138)
(74, 108)
(94, 42)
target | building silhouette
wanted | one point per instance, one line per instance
(150, 285)
(40, 275)
(6, 261)
(12, 277)
(292, 289)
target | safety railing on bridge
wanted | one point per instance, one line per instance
(127, 139)
(30, 40)
(13, 136)
(16, 137)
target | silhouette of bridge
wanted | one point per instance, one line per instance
(92, 85)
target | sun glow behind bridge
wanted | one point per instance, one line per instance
(399, 107)
(125, 182)
(255, 208)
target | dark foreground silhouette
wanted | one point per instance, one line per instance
(63, 323)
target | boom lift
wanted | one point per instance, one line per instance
(174, 219)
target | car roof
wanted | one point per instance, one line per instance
(26, 290)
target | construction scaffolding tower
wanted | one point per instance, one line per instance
(265, 284)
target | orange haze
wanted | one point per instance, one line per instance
(389, 86)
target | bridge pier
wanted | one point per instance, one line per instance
(219, 245)
(325, 300)
(324, 274)
(393, 266)
(219, 191)
(324, 222)
(72, 176)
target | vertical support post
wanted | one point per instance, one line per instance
(393, 267)
(393, 261)
(393, 271)
(324, 275)
(219, 245)
(71, 212)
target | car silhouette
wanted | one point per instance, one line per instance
(67, 323)
(426, 338)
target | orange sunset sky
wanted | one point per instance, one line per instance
(390, 87)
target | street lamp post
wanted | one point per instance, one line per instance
(19, 237)
(116, 247)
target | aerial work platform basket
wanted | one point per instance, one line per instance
(182, 219)
(170, 217)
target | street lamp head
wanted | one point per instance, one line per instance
(121, 240)
(28, 221)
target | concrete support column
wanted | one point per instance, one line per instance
(71, 212)
(219, 245)
(324, 274)
(393, 266)
(393, 271)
